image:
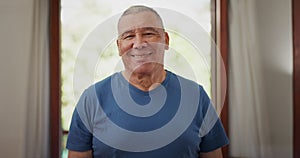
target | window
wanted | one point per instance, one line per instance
(74, 33)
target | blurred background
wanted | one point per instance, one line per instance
(260, 69)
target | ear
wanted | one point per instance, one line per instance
(166, 41)
(119, 46)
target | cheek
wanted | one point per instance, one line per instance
(123, 48)
(160, 58)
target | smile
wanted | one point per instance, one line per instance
(142, 55)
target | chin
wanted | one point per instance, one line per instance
(145, 69)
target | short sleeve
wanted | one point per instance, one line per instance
(79, 137)
(215, 139)
(212, 132)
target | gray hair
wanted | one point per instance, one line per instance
(140, 8)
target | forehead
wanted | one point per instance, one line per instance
(145, 19)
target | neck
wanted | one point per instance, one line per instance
(143, 81)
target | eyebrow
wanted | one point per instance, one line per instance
(155, 29)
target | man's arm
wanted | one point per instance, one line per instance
(212, 154)
(77, 154)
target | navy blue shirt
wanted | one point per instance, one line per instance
(117, 120)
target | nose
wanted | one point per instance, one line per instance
(139, 42)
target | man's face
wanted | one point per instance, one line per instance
(142, 42)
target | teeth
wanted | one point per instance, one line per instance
(141, 55)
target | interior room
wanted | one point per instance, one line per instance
(261, 102)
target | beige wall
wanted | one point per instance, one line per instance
(270, 25)
(274, 23)
(15, 17)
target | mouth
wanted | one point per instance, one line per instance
(141, 55)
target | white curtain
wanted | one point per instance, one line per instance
(249, 132)
(37, 123)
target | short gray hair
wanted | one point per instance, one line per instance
(140, 8)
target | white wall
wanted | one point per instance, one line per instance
(15, 17)
(274, 24)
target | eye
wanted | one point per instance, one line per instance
(149, 34)
(127, 37)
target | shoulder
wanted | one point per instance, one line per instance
(90, 96)
(106, 81)
(101, 85)
(183, 81)
(191, 89)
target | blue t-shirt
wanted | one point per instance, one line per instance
(117, 120)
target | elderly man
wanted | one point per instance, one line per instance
(116, 117)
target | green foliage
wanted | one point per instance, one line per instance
(79, 17)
